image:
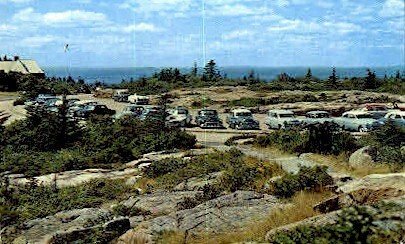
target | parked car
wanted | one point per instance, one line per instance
(281, 119)
(139, 100)
(316, 117)
(377, 111)
(120, 95)
(208, 118)
(131, 111)
(181, 114)
(356, 121)
(397, 117)
(97, 109)
(242, 119)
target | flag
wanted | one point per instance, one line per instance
(66, 47)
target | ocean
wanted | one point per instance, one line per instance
(116, 75)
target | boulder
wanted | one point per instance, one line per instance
(196, 183)
(223, 214)
(363, 157)
(73, 225)
(159, 203)
(375, 181)
(357, 197)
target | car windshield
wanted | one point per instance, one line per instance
(377, 108)
(182, 111)
(209, 113)
(320, 115)
(90, 107)
(364, 116)
(286, 115)
(244, 114)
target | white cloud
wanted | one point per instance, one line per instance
(7, 28)
(37, 41)
(141, 27)
(393, 8)
(237, 34)
(60, 18)
(157, 6)
(15, 1)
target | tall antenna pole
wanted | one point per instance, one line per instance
(203, 33)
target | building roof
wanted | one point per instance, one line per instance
(23, 66)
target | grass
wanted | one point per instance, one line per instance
(340, 164)
(299, 208)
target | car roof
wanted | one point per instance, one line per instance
(281, 111)
(318, 112)
(241, 110)
(402, 113)
(356, 112)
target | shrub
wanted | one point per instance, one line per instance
(307, 179)
(122, 210)
(209, 192)
(320, 138)
(354, 225)
(388, 141)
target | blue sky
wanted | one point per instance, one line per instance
(126, 33)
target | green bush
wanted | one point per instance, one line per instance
(354, 225)
(122, 210)
(388, 141)
(320, 138)
(209, 192)
(37, 201)
(313, 179)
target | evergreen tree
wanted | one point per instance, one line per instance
(211, 72)
(194, 71)
(308, 76)
(333, 78)
(371, 80)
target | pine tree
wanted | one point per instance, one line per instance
(194, 71)
(308, 76)
(211, 72)
(333, 78)
(371, 80)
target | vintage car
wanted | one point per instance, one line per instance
(208, 118)
(316, 117)
(181, 114)
(397, 117)
(242, 119)
(97, 109)
(281, 119)
(120, 95)
(139, 100)
(356, 121)
(376, 111)
(130, 111)
(155, 114)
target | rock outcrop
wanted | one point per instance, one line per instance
(225, 213)
(70, 226)
(363, 157)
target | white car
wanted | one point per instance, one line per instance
(181, 114)
(139, 100)
(281, 119)
(356, 121)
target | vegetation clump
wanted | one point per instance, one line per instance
(312, 179)
(354, 225)
(47, 142)
(324, 138)
(389, 141)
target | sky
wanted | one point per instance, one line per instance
(161, 33)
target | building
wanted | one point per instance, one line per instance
(21, 66)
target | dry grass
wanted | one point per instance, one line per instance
(340, 164)
(299, 208)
